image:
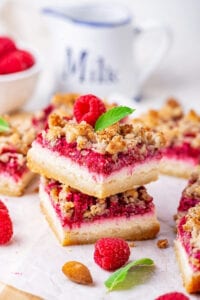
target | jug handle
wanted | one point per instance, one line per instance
(166, 42)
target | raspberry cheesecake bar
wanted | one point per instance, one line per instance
(190, 195)
(15, 140)
(182, 131)
(77, 218)
(98, 163)
(187, 246)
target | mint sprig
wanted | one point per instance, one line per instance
(120, 275)
(112, 116)
(4, 126)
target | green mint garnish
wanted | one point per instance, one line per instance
(4, 126)
(120, 275)
(112, 116)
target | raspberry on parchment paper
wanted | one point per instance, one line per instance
(6, 226)
(111, 253)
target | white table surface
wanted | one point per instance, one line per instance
(33, 260)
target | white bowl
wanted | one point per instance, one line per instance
(17, 88)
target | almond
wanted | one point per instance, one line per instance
(77, 272)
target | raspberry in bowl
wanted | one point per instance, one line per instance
(19, 70)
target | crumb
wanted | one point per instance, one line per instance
(162, 244)
(36, 190)
(131, 244)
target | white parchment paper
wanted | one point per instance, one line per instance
(34, 258)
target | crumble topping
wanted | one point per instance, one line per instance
(10, 158)
(66, 99)
(72, 202)
(192, 225)
(20, 134)
(63, 103)
(177, 126)
(170, 112)
(114, 139)
(15, 142)
(193, 188)
(189, 129)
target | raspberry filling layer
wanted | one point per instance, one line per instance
(192, 252)
(183, 152)
(186, 203)
(74, 208)
(96, 162)
(10, 165)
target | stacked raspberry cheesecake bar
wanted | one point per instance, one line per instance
(92, 180)
(182, 131)
(15, 139)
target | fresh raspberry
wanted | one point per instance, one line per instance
(3, 207)
(16, 61)
(173, 296)
(6, 227)
(88, 108)
(111, 253)
(6, 45)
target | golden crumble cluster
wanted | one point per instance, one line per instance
(20, 135)
(193, 226)
(176, 126)
(64, 103)
(114, 139)
(189, 129)
(193, 188)
(170, 113)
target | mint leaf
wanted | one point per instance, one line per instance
(4, 126)
(120, 275)
(112, 116)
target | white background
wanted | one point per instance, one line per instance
(179, 73)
